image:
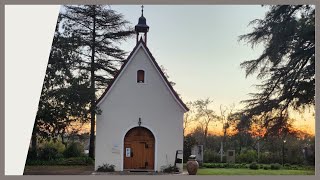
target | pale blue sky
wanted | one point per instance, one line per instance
(198, 45)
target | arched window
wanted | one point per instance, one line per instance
(140, 76)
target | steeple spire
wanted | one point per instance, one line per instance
(142, 26)
(142, 10)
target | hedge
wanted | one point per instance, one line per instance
(62, 162)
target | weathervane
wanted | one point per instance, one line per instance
(139, 122)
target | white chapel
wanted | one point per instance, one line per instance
(140, 127)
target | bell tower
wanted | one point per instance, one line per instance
(142, 27)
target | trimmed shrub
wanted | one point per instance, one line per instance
(73, 150)
(227, 165)
(169, 169)
(265, 157)
(223, 165)
(287, 165)
(76, 161)
(275, 166)
(211, 156)
(294, 167)
(58, 145)
(247, 156)
(62, 162)
(106, 168)
(49, 153)
(254, 165)
(211, 165)
(266, 167)
(40, 162)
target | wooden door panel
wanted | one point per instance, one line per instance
(141, 158)
(137, 155)
(150, 154)
(141, 141)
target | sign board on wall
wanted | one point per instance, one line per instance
(115, 149)
(128, 152)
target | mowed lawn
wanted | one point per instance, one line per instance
(87, 170)
(231, 171)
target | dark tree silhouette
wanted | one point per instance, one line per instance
(98, 29)
(63, 98)
(286, 66)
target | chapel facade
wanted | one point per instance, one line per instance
(140, 127)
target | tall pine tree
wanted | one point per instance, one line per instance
(99, 31)
(286, 66)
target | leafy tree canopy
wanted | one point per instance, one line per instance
(63, 98)
(286, 66)
(108, 28)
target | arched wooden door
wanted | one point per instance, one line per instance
(139, 149)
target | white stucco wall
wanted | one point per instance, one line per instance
(126, 102)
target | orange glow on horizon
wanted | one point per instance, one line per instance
(304, 125)
(301, 127)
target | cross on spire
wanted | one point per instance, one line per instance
(142, 26)
(142, 9)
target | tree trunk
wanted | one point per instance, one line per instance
(92, 89)
(223, 141)
(221, 152)
(205, 136)
(34, 141)
(63, 140)
(258, 150)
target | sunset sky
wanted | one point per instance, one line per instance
(198, 46)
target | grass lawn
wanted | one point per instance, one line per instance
(87, 170)
(230, 171)
(58, 170)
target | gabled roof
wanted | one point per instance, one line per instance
(173, 92)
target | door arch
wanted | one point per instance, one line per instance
(139, 149)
